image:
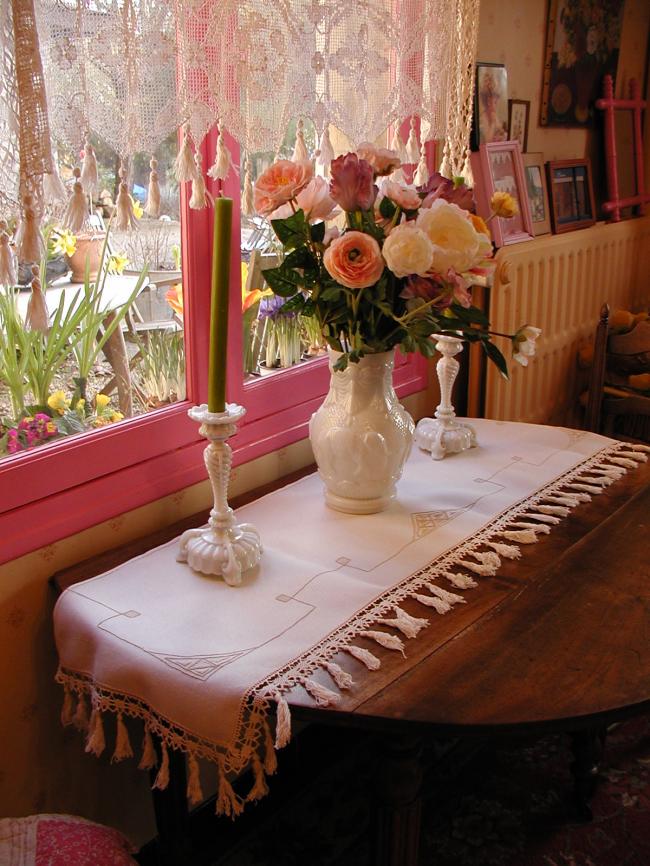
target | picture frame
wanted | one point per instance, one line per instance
(518, 117)
(536, 186)
(498, 166)
(571, 194)
(581, 48)
(490, 103)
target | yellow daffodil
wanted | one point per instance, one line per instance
(116, 416)
(101, 421)
(58, 402)
(102, 400)
(116, 263)
(504, 205)
(65, 243)
(81, 405)
(137, 208)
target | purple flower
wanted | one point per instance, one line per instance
(271, 308)
(441, 187)
(352, 185)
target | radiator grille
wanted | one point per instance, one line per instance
(559, 283)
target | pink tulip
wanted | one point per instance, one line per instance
(352, 184)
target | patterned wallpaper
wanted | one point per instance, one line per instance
(42, 766)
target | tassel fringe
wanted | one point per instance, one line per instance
(323, 696)
(459, 580)
(342, 678)
(185, 167)
(162, 778)
(325, 153)
(228, 803)
(66, 709)
(122, 743)
(222, 164)
(96, 742)
(76, 214)
(270, 758)
(152, 207)
(388, 641)
(80, 718)
(194, 790)
(410, 626)
(89, 174)
(364, 656)
(283, 724)
(149, 758)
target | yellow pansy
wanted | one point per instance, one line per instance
(102, 400)
(504, 205)
(65, 243)
(58, 402)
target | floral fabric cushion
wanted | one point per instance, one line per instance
(61, 840)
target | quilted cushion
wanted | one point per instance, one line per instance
(61, 840)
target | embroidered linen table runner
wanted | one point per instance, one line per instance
(204, 664)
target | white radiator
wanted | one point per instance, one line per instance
(559, 283)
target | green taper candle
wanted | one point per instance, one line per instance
(219, 304)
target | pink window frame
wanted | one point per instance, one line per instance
(68, 486)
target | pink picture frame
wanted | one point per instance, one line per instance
(498, 166)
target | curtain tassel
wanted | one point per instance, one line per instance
(30, 240)
(76, 213)
(89, 174)
(223, 158)
(37, 317)
(7, 258)
(152, 207)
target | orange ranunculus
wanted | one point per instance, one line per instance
(174, 298)
(280, 183)
(354, 260)
(480, 225)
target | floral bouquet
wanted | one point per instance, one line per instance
(400, 267)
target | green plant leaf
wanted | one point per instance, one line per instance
(301, 257)
(292, 231)
(470, 314)
(387, 208)
(496, 357)
(284, 281)
(318, 232)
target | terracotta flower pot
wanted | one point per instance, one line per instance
(89, 249)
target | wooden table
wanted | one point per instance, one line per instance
(559, 641)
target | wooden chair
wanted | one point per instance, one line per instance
(608, 401)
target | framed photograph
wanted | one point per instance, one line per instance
(582, 43)
(518, 113)
(571, 194)
(535, 173)
(491, 103)
(498, 167)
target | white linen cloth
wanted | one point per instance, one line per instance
(202, 662)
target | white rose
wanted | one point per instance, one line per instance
(524, 344)
(456, 243)
(408, 250)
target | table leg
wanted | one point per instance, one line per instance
(587, 747)
(171, 813)
(115, 351)
(398, 773)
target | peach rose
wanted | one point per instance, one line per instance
(403, 196)
(456, 243)
(354, 260)
(314, 200)
(382, 160)
(279, 183)
(408, 250)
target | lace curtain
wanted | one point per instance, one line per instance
(132, 71)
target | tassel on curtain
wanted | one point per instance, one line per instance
(152, 206)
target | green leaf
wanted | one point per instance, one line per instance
(387, 208)
(295, 304)
(471, 314)
(330, 293)
(282, 280)
(318, 232)
(293, 231)
(496, 357)
(341, 363)
(301, 257)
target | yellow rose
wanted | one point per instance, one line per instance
(407, 250)
(58, 402)
(456, 243)
(503, 205)
(102, 401)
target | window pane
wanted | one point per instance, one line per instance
(112, 347)
(273, 340)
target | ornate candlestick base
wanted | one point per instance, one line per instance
(224, 546)
(444, 434)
